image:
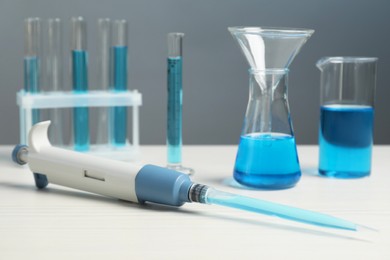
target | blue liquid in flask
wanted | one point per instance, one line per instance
(267, 161)
(345, 138)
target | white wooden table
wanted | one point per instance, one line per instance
(61, 223)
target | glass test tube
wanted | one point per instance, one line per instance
(79, 69)
(54, 76)
(119, 81)
(175, 95)
(32, 69)
(32, 62)
(103, 61)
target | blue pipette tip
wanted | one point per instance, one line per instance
(213, 196)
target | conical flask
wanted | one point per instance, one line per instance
(267, 157)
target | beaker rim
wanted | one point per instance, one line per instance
(349, 59)
(269, 71)
(272, 31)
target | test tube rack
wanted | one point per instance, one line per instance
(27, 102)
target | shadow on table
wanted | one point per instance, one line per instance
(60, 192)
(260, 223)
(54, 191)
(230, 182)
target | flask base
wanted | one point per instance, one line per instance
(267, 181)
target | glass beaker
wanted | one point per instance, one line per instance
(347, 114)
(267, 156)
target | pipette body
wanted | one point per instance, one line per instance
(144, 183)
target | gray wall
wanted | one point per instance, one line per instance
(215, 72)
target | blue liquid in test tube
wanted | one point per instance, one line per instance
(119, 82)
(32, 74)
(175, 95)
(32, 60)
(31, 81)
(80, 114)
(80, 83)
(175, 103)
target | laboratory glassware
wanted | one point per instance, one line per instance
(175, 103)
(32, 60)
(104, 76)
(32, 72)
(119, 81)
(79, 66)
(54, 76)
(347, 115)
(145, 183)
(267, 157)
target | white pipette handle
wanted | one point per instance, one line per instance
(127, 181)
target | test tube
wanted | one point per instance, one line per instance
(32, 60)
(54, 76)
(79, 68)
(175, 95)
(103, 61)
(32, 69)
(119, 81)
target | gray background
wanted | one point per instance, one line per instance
(215, 71)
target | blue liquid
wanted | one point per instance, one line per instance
(80, 114)
(31, 81)
(267, 161)
(279, 210)
(119, 84)
(31, 85)
(175, 95)
(345, 140)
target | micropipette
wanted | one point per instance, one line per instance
(175, 103)
(144, 183)
(119, 81)
(80, 82)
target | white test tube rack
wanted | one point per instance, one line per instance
(50, 100)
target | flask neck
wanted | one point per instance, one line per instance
(268, 109)
(270, 82)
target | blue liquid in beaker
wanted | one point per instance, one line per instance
(268, 161)
(345, 140)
